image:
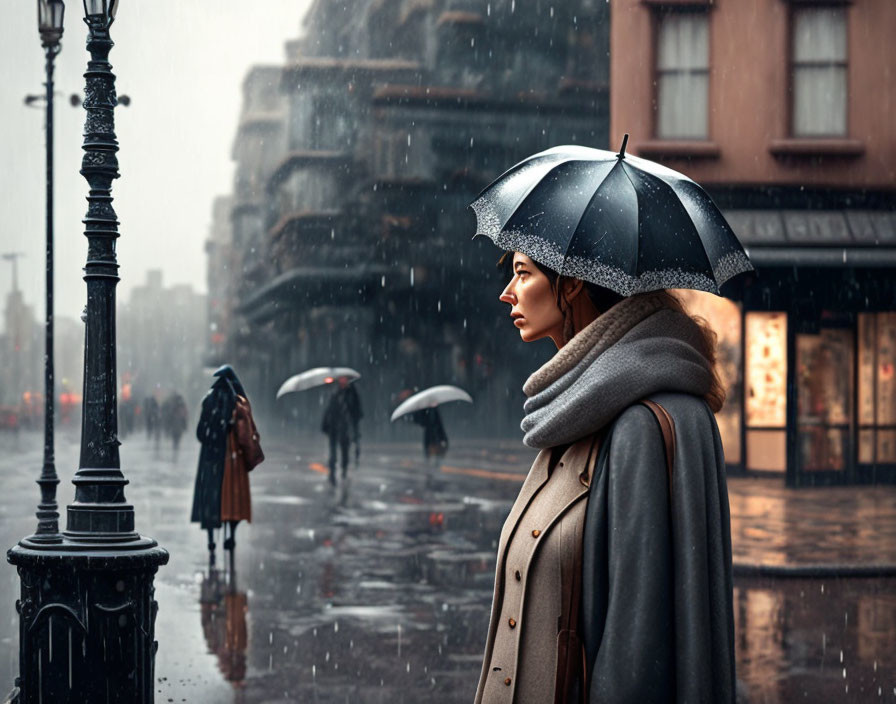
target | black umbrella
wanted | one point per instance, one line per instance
(624, 223)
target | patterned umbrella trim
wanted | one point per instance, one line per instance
(487, 220)
(611, 277)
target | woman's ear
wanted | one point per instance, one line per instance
(571, 288)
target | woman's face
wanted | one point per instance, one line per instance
(533, 302)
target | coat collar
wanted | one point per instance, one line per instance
(575, 458)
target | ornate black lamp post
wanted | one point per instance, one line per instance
(50, 14)
(87, 612)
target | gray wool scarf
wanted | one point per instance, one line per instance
(637, 348)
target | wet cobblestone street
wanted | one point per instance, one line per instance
(379, 591)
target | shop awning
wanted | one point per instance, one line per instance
(817, 238)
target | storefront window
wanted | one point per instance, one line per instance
(877, 388)
(723, 316)
(824, 393)
(765, 371)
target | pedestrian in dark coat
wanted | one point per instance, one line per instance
(435, 441)
(613, 581)
(340, 424)
(212, 432)
(353, 403)
(174, 419)
(152, 418)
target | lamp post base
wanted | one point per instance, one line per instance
(87, 620)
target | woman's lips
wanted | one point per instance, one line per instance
(519, 321)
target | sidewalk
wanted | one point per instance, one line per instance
(812, 531)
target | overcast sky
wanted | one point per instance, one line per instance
(183, 65)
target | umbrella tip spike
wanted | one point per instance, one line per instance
(621, 153)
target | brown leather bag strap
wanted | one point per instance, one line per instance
(667, 427)
(571, 661)
(571, 657)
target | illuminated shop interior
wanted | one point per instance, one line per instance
(808, 358)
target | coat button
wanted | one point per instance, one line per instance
(511, 622)
(517, 575)
(507, 681)
(536, 533)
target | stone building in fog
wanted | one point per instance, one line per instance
(349, 235)
(162, 340)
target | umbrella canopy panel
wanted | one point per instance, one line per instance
(430, 398)
(319, 376)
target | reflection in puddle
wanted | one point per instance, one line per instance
(816, 640)
(223, 609)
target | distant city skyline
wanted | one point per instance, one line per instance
(183, 68)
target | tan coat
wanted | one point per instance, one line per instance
(243, 454)
(536, 554)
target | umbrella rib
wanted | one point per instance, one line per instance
(690, 219)
(636, 276)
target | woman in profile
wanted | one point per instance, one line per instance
(613, 580)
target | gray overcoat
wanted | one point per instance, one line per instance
(656, 612)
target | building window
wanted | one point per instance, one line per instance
(819, 71)
(682, 75)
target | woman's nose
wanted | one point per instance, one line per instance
(507, 296)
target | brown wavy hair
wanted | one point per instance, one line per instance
(604, 299)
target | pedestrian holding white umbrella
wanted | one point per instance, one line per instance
(342, 414)
(423, 410)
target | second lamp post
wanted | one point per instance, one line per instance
(87, 612)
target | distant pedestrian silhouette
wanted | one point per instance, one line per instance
(153, 420)
(340, 423)
(174, 419)
(435, 441)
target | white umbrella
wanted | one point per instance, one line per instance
(319, 376)
(430, 398)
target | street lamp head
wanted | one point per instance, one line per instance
(49, 21)
(100, 13)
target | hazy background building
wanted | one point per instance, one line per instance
(162, 334)
(356, 161)
(22, 345)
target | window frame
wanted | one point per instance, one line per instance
(660, 9)
(796, 6)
